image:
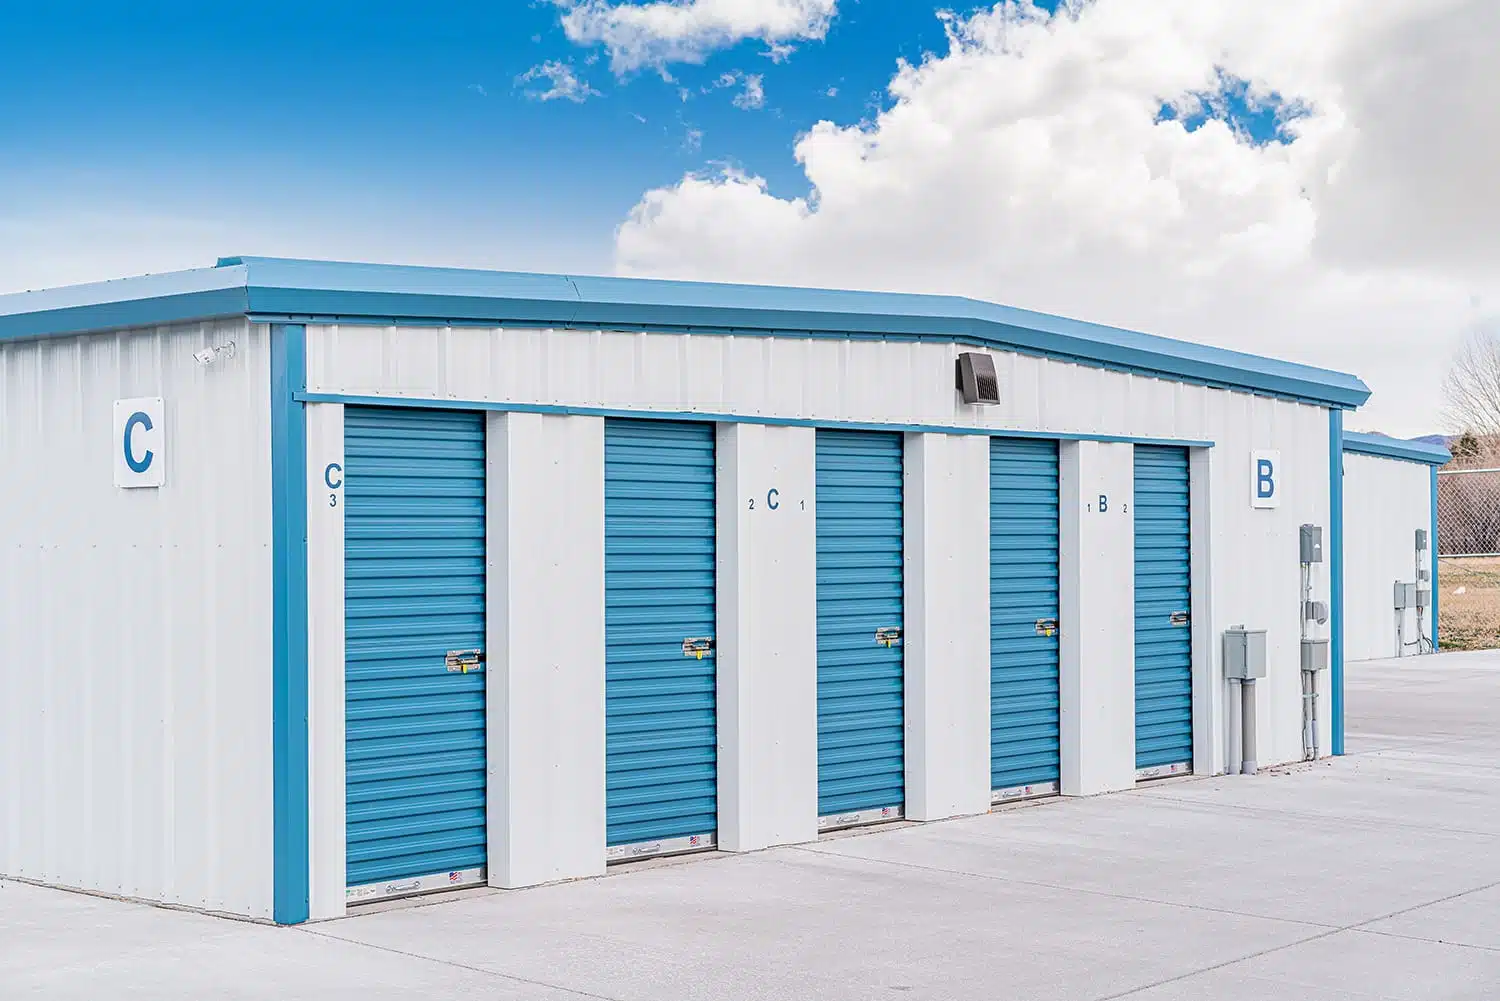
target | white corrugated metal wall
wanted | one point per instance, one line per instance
(1385, 502)
(1253, 552)
(135, 625)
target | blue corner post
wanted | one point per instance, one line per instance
(1432, 540)
(1336, 572)
(289, 623)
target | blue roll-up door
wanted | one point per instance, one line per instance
(861, 718)
(1163, 632)
(414, 577)
(1024, 727)
(661, 728)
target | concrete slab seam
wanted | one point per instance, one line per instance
(1357, 926)
(1063, 888)
(305, 930)
(1335, 823)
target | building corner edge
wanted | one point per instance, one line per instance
(1336, 573)
(1433, 542)
(289, 660)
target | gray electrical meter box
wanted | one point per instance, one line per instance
(1310, 538)
(1404, 595)
(1244, 653)
(1314, 655)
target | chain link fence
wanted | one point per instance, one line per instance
(1468, 512)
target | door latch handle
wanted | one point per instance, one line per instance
(698, 646)
(464, 661)
(888, 636)
(1046, 627)
(1178, 618)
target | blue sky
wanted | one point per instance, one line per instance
(335, 112)
(407, 130)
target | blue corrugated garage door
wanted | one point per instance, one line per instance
(661, 728)
(1163, 635)
(1024, 727)
(414, 555)
(861, 720)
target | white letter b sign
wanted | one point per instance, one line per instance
(1265, 479)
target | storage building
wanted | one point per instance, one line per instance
(322, 583)
(1390, 532)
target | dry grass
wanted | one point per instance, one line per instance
(1471, 620)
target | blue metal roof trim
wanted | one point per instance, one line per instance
(1394, 448)
(295, 290)
(179, 296)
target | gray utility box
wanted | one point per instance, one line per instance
(1244, 653)
(1405, 595)
(1314, 655)
(1310, 544)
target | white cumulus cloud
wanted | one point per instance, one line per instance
(752, 95)
(1031, 163)
(661, 32)
(561, 83)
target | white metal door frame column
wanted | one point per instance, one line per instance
(1208, 706)
(946, 556)
(546, 634)
(1096, 590)
(325, 660)
(767, 636)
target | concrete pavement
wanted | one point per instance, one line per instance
(1374, 876)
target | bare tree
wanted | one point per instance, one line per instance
(1472, 389)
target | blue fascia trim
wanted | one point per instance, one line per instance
(1336, 573)
(289, 692)
(1432, 542)
(718, 418)
(1394, 448)
(182, 308)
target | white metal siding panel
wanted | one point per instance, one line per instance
(1254, 572)
(545, 619)
(821, 378)
(1385, 502)
(945, 597)
(135, 625)
(766, 647)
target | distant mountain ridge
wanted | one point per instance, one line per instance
(1426, 439)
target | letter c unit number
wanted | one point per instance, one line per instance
(773, 501)
(333, 479)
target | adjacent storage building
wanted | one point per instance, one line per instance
(1390, 532)
(326, 583)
